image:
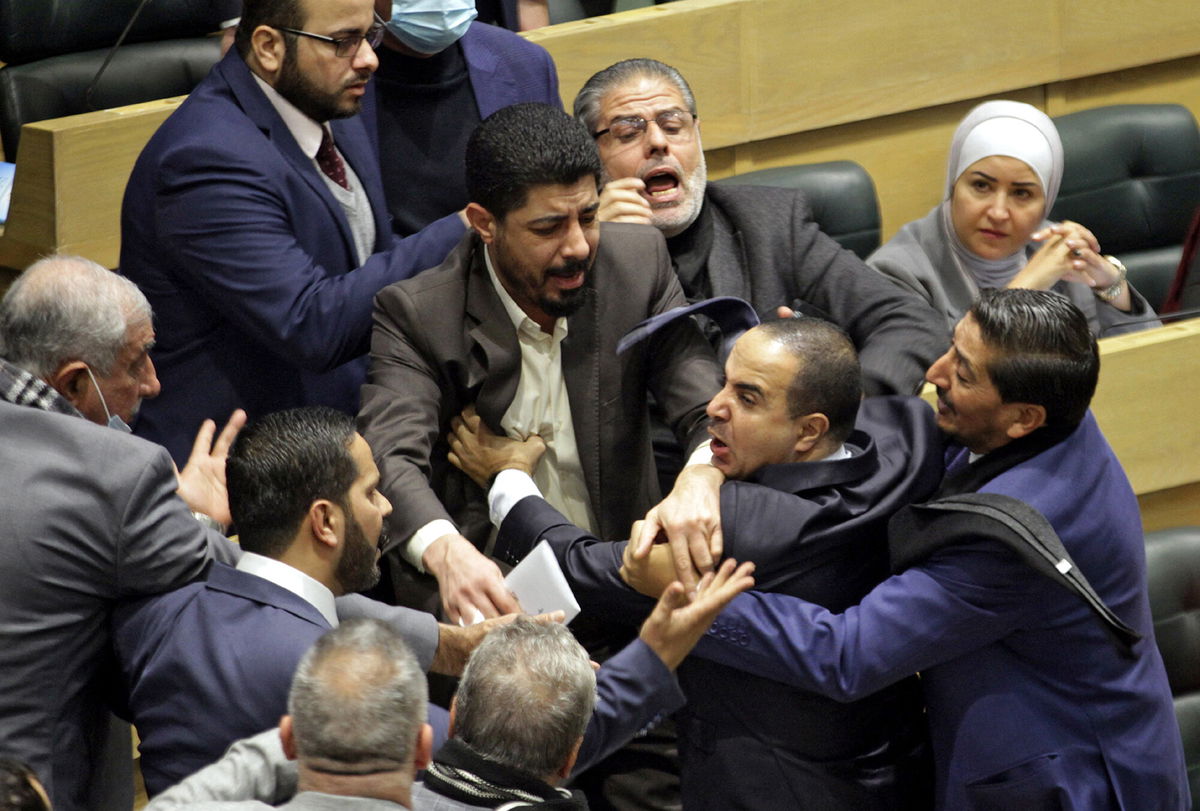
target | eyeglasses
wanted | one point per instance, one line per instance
(676, 125)
(348, 45)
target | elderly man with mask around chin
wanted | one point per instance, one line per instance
(754, 242)
(90, 518)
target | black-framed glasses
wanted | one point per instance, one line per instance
(348, 45)
(676, 125)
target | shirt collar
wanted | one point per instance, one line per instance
(520, 321)
(842, 452)
(297, 582)
(308, 133)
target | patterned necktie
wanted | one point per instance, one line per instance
(330, 161)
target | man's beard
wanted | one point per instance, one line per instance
(569, 301)
(358, 568)
(517, 277)
(315, 103)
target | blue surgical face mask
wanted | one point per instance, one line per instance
(113, 420)
(431, 26)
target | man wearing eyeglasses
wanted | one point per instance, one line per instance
(754, 242)
(255, 223)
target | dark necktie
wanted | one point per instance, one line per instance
(330, 161)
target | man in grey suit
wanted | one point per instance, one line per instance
(522, 322)
(755, 242)
(90, 517)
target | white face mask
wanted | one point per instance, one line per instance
(113, 420)
(431, 26)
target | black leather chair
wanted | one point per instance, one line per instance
(1132, 176)
(1173, 571)
(841, 194)
(54, 48)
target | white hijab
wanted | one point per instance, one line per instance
(1014, 130)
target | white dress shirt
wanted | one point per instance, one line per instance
(297, 582)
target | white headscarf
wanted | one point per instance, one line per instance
(1014, 130)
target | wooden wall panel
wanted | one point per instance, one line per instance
(818, 64)
(1101, 36)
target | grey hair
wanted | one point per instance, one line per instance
(587, 102)
(358, 698)
(67, 308)
(526, 696)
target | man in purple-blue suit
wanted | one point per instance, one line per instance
(1018, 592)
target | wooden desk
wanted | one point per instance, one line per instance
(70, 178)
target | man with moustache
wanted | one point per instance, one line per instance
(814, 473)
(210, 663)
(754, 242)
(255, 223)
(522, 321)
(1018, 592)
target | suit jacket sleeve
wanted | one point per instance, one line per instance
(634, 691)
(400, 418)
(419, 629)
(162, 546)
(957, 601)
(897, 335)
(226, 228)
(591, 566)
(684, 374)
(252, 769)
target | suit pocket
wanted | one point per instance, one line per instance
(1037, 784)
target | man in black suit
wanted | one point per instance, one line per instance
(813, 477)
(754, 242)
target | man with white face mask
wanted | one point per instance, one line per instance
(439, 75)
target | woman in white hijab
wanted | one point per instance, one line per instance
(1005, 167)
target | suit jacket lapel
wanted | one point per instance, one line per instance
(492, 91)
(495, 362)
(726, 259)
(259, 110)
(261, 590)
(581, 373)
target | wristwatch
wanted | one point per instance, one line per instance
(1110, 293)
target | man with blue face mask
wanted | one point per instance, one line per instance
(439, 75)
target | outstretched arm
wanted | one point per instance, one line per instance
(636, 689)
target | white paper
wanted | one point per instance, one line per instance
(540, 584)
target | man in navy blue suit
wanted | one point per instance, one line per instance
(255, 223)
(1018, 593)
(211, 662)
